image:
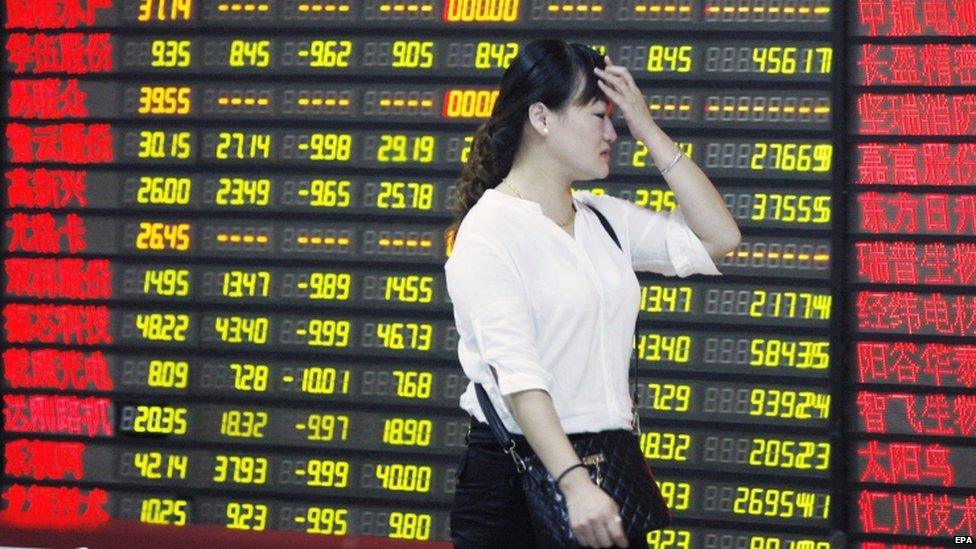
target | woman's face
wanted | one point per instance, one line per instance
(580, 137)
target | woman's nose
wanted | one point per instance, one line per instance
(609, 133)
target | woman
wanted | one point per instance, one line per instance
(545, 302)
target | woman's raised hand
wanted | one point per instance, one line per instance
(617, 82)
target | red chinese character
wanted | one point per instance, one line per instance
(867, 502)
(964, 64)
(936, 114)
(936, 163)
(873, 114)
(73, 231)
(73, 186)
(872, 15)
(872, 362)
(905, 461)
(936, 62)
(966, 18)
(874, 470)
(873, 218)
(98, 52)
(904, 65)
(964, 259)
(963, 117)
(965, 356)
(49, 98)
(936, 212)
(903, 159)
(967, 515)
(873, 409)
(94, 513)
(903, 256)
(936, 259)
(965, 209)
(935, 14)
(938, 464)
(871, 64)
(872, 261)
(905, 366)
(904, 20)
(53, 14)
(938, 413)
(936, 314)
(906, 217)
(16, 368)
(871, 167)
(965, 407)
(965, 163)
(44, 234)
(904, 311)
(15, 413)
(17, 456)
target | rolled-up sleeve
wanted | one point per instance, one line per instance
(492, 313)
(662, 242)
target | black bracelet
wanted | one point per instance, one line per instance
(568, 469)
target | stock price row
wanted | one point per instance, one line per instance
(361, 149)
(41, 188)
(344, 380)
(671, 107)
(751, 503)
(738, 403)
(73, 278)
(122, 53)
(801, 15)
(339, 474)
(160, 238)
(382, 289)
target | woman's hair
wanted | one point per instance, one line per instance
(547, 71)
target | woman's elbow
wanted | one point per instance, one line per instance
(728, 242)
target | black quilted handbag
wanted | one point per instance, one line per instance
(614, 462)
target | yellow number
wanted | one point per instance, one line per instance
(250, 377)
(163, 511)
(162, 326)
(160, 145)
(399, 195)
(329, 286)
(659, 200)
(166, 282)
(240, 469)
(247, 516)
(246, 284)
(404, 478)
(413, 54)
(329, 53)
(242, 329)
(170, 53)
(328, 193)
(163, 236)
(403, 148)
(662, 58)
(164, 190)
(243, 423)
(156, 465)
(400, 336)
(325, 427)
(470, 11)
(329, 147)
(668, 397)
(243, 146)
(669, 539)
(410, 289)
(325, 520)
(469, 103)
(491, 55)
(248, 53)
(172, 374)
(407, 431)
(164, 100)
(162, 420)
(676, 494)
(164, 10)
(328, 332)
(317, 380)
(410, 526)
(665, 446)
(326, 473)
(238, 191)
(413, 384)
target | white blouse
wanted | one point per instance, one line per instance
(556, 312)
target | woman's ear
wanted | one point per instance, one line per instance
(539, 116)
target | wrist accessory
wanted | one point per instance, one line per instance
(613, 459)
(567, 470)
(671, 164)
